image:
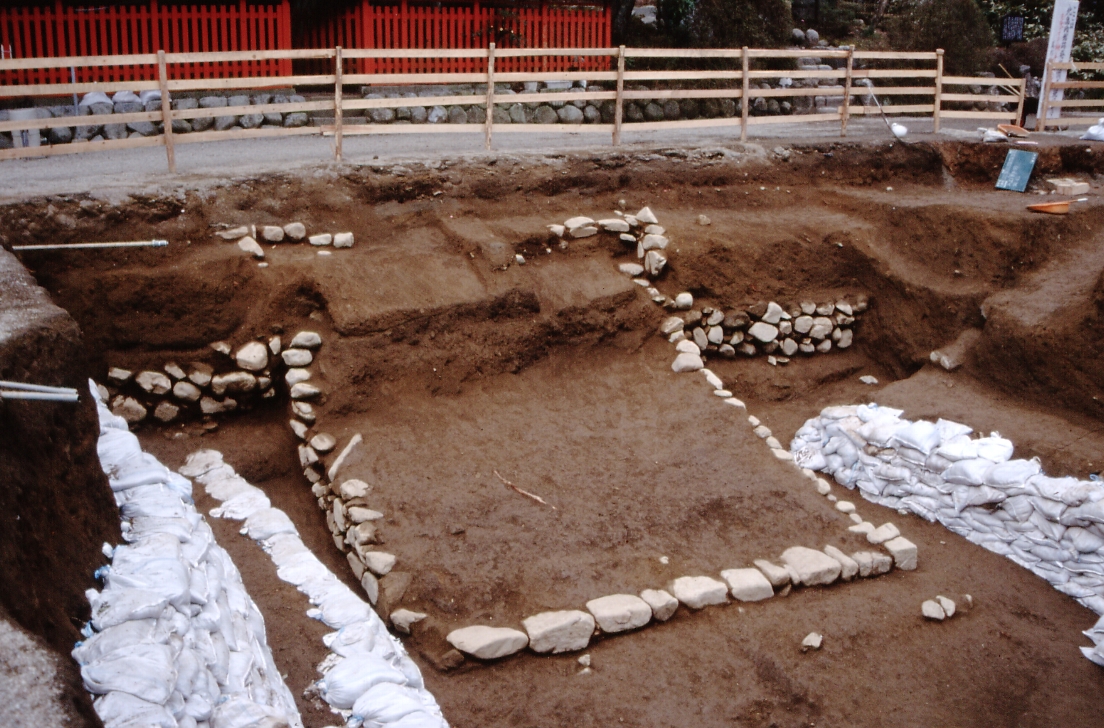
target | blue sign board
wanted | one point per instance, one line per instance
(1017, 169)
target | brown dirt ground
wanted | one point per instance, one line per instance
(453, 368)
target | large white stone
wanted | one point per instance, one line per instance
(306, 340)
(811, 566)
(620, 612)
(558, 632)
(404, 619)
(272, 233)
(154, 382)
(129, 409)
(646, 216)
(234, 382)
(252, 357)
(763, 332)
(379, 562)
(849, 568)
(903, 552)
(687, 347)
(631, 269)
(697, 592)
(662, 603)
(686, 362)
(713, 379)
(821, 328)
(295, 231)
(684, 301)
(297, 357)
(487, 643)
(323, 442)
(353, 488)
(776, 575)
(654, 242)
(343, 240)
(931, 610)
(654, 262)
(672, 324)
(122, 376)
(614, 225)
(748, 585)
(304, 390)
(773, 314)
(320, 240)
(186, 391)
(947, 604)
(251, 246)
(577, 222)
(296, 375)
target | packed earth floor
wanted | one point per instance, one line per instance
(462, 368)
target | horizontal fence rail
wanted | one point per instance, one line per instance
(628, 88)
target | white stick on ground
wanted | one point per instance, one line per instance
(88, 246)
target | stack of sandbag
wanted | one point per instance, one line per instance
(973, 486)
(174, 639)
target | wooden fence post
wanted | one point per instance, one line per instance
(488, 123)
(938, 100)
(1020, 106)
(744, 100)
(617, 110)
(845, 111)
(166, 110)
(337, 104)
(1044, 97)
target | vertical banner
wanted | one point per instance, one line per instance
(1058, 50)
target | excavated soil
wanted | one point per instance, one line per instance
(456, 364)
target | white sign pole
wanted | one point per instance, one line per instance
(1058, 50)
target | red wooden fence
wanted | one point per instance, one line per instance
(101, 31)
(470, 25)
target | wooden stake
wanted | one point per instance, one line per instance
(845, 111)
(618, 112)
(744, 99)
(337, 105)
(166, 110)
(938, 101)
(489, 121)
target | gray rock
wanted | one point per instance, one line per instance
(570, 115)
(128, 107)
(223, 123)
(812, 567)
(748, 585)
(619, 612)
(653, 112)
(715, 335)
(115, 131)
(849, 568)
(129, 409)
(379, 562)
(403, 619)
(633, 113)
(251, 121)
(320, 240)
(591, 115)
(789, 347)
(209, 406)
(233, 383)
(238, 100)
(663, 605)
(457, 115)
(671, 110)
(654, 262)
(487, 643)
(205, 123)
(903, 552)
(60, 135)
(212, 102)
(883, 533)
(296, 119)
(306, 340)
(323, 442)
(181, 126)
(558, 632)
(185, 103)
(186, 391)
(776, 575)
(697, 592)
(671, 325)
(547, 115)
(121, 376)
(689, 108)
(272, 233)
(438, 115)
(166, 412)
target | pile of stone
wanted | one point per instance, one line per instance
(97, 103)
(174, 639)
(572, 630)
(640, 232)
(197, 389)
(780, 332)
(250, 237)
(1052, 526)
(368, 678)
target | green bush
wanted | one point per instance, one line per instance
(957, 26)
(737, 23)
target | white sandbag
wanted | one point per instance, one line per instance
(1013, 472)
(949, 430)
(810, 457)
(95, 97)
(1070, 491)
(419, 720)
(229, 487)
(882, 430)
(148, 475)
(144, 670)
(968, 472)
(167, 577)
(967, 495)
(267, 523)
(243, 505)
(299, 568)
(114, 607)
(117, 446)
(958, 449)
(1084, 541)
(195, 549)
(352, 677)
(872, 411)
(342, 609)
(994, 448)
(122, 710)
(200, 462)
(1052, 510)
(283, 546)
(240, 712)
(921, 435)
(1048, 529)
(125, 97)
(239, 665)
(386, 702)
(1095, 133)
(892, 473)
(356, 638)
(151, 500)
(124, 635)
(1083, 515)
(144, 526)
(1019, 507)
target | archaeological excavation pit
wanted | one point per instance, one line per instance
(492, 401)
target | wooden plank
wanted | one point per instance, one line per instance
(896, 55)
(211, 84)
(1077, 84)
(563, 128)
(375, 129)
(389, 79)
(980, 97)
(693, 93)
(894, 73)
(247, 56)
(796, 74)
(74, 121)
(903, 109)
(794, 119)
(1078, 102)
(538, 52)
(352, 104)
(78, 147)
(683, 124)
(982, 81)
(978, 114)
(680, 75)
(259, 133)
(845, 110)
(893, 90)
(1077, 66)
(796, 53)
(256, 109)
(733, 53)
(12, 64)
(558, 96)
(1071, 121)
(410, 53)
(560, 76)
(64, 89)
(767, 93)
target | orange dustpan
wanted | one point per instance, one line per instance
(1012, 130)
(1051, 208)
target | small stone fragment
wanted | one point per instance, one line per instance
(323, 442)
(646, 216)
(948, 605)
(671, 325)
(812, 641)
(298, 428)
(234, 383)
(684, 301)
(403, 619)
(703, 220)
(378, 562)
(304, 390)
(631, 269)
(173, 370)
(251, 246)
(867, 379)
(166, 412)
(845, 507)
(931, 610)
(119, 376)
(354, 488)
(343, 240)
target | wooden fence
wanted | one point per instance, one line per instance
(27, 33)
(920, 88)
(1051, 83)
(402, 26)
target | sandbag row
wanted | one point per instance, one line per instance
(369, 679)
(174, 640)
(973, 486)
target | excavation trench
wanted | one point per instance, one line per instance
(455, 363)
